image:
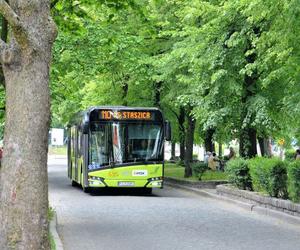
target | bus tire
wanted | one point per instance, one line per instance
(74, 183)
(85, 189)
(147, 191)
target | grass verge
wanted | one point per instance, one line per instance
(52, 242)
(175, 171)
(51, 214)
(57, 150)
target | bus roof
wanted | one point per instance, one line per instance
(122, 108)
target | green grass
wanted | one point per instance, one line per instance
(172, 170)
(214, 175)
(57, 150)
(51, 213)
(52, 242)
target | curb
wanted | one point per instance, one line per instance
(247, 206)
(260, 200)
(197, 184)
(53, 231)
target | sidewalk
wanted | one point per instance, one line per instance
(212, 193)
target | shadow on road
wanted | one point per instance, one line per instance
(120, 192)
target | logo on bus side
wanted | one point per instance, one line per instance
(139, 172)
(113, 173)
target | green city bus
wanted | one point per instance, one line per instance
(119, 147)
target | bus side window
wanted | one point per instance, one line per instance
(79, 139)
(74, 142)
(71, 142)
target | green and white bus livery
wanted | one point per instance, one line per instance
(117, 147)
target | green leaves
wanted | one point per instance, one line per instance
(236, 63)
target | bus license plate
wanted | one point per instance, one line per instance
(126, 184)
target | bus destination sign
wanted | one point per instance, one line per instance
(126, 115)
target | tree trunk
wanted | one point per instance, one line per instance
(182, 148)
(23, 176)
(248, 142)
(264, 145)
(189, 145)
(248, 148)
(181, 121)
(173, 147)
(261, 145)
(220, 149)
(268, 147)
(209, 143)
(4, 34)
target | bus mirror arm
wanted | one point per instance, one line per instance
(168, 131)
(85, 128)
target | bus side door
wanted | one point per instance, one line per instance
(73, 152)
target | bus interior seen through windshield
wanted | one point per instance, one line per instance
(119, 143)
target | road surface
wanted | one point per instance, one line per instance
(167, 219)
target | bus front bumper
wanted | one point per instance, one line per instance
(100, 182)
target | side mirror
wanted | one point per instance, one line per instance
(168, 131)
(85, 125)
(85, 128)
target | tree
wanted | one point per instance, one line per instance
(232, 61)
(23, 176)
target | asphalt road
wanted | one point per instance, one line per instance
(167, 219)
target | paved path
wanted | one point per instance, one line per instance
(168, 219)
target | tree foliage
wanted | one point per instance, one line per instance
(232, 65)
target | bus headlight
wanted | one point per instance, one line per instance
(155, 181)
(94, 180)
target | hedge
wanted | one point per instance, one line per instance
(238, 173)
(273, 176)
(199, 169)
(290, 155)
(294, 181)
(269, 176)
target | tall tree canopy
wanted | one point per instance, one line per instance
(231, 65)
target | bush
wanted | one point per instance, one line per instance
(290, 155)
(238, 173)
(180, 163)
(199, 169)
(269, 176)
(294, 181)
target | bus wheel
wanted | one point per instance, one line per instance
(74, 183)
(85, 189)
(147, 190)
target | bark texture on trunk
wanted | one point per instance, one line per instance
(23, 176)
(181, 120)
(248, 148)
(189, 145)
(209, 142)
(4, 34)
(220, 149)
(264, 145)
(173, 153)
(261, 145)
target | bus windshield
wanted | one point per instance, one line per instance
(120, 143)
